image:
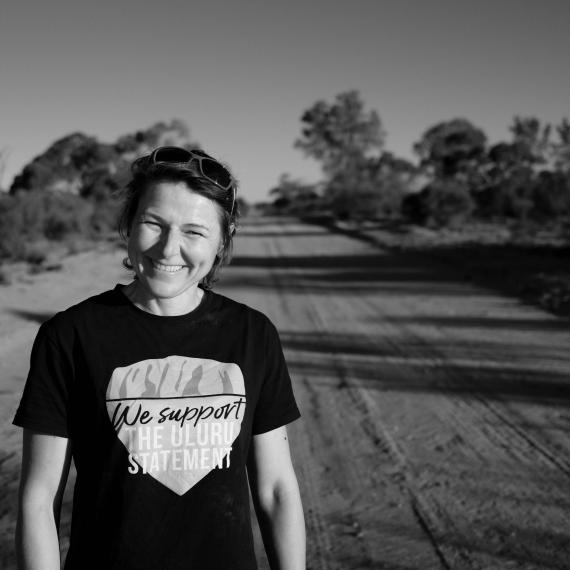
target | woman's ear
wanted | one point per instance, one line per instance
(232, 229)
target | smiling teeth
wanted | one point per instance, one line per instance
(167, 268)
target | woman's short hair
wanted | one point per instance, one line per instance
(154, 173)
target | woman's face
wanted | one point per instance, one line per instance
(173, 241)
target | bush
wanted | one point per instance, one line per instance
(445, 202)
(59, 214)
(11, 223)
(551, 195)
(104, 217)
(364, 199)
(34, 217)
(37, 252)
(523, 195)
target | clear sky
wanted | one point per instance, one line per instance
(241, 73)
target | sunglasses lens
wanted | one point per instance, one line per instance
(171, 154)
(215, 172)
(209, 167)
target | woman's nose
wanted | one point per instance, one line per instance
(170, 243)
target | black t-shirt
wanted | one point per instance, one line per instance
(160, 412)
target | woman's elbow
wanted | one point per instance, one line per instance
(281, 494)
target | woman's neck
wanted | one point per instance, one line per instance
(164, 307)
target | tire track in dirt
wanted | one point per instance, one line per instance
(493, 424)
(469, 416)
(526, 446)
(487, 431)
(380, 437)
(368, 448)
(429, 439)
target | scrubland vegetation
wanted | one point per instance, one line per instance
(66, 199)
(458, 176)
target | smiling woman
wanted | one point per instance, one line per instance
(173, 244)
(113, 380)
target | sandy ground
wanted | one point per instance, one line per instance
(435, 413)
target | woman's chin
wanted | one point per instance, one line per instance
(166, 287)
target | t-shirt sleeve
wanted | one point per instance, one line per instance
(276, 405)
(44, 403)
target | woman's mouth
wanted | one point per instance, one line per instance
(166, 268)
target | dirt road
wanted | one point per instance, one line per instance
(435, 414)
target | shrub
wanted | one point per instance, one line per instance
(445, 202)
(11, 242)
(37, 252)
(551, 195)
(32, 217)
(104, 216)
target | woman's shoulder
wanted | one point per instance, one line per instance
(240, 309)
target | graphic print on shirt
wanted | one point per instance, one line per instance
(177, 416)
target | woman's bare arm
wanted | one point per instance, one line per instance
(45, 466)
(277, 500)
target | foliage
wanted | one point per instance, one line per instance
(342, 134)
(509, 197)
(551, 195)
(175, 133)
(38, 216)
(11, 243)
(531, 140)
(441, 203)
(292, 196)
(70, 189)
(561, 148)
(360, 181)
(80, 164)
(4, 153)
(510, 180)
(451, 148)
(375, 190)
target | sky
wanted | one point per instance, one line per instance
(241, 73)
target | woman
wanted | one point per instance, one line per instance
(163, 392)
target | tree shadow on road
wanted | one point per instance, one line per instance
(441, 368)
(382, 273)
(35, 316)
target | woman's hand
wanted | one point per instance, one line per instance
(45, 466)
(277, 500)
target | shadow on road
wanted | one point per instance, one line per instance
(486, 365)
(35, 316)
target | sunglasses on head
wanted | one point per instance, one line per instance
(209, 168)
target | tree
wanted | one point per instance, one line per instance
(341, 135)
(4, 152)
(348, 140)
(531, 140)
(443, 202)
(59, 167)
(451, 148)
(80, 164)
(561, 148)
(174, 133)
(294, 196)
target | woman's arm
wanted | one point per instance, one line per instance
(45, 466)
(277, 500)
